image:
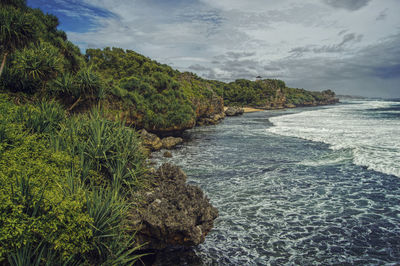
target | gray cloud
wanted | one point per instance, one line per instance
(198, 67)
(236, 55)
(382, 15)
(373, 71)
(351, 5)
(334, 48)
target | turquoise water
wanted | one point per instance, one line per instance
(307, 186)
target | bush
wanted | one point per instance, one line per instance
(33, 205)
(44, 119)
(63, 191)
(34, 66)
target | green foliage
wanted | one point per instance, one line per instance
(14, 3)
(46, 118)
(106, 147)
(267, 93)
(17, 27)
(111, 244)
(33, 207)
(63, 190)
(157, 97)
(88, 82)
(34, 66)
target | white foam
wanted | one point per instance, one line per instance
(375, 142)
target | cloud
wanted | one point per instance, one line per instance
(73, 15)
(382, 15)
(350, 5)
(347, 39)
(372, 71)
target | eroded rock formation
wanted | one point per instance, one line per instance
(171, 212)
(234, 111)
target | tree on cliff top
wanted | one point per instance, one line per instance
(16, 30)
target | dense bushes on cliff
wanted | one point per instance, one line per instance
(159, 98)
(269, 93)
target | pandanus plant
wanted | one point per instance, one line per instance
(16, 31)
(38, 64)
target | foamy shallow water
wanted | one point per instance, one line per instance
(370, 129)
(285, 200)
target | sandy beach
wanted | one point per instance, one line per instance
(248, 109)
(251, 109)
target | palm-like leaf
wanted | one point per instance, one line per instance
(16, 29)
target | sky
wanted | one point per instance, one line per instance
(349, 46)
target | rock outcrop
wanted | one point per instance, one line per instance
(234, 111)
(170, 142)
(172, 213)
(167, 154)
(209, 111)
(153, 143)
(150, 141)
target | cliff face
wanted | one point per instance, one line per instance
(209, 112)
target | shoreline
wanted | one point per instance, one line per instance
(247, 109)
(252, 110)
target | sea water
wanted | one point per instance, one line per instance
(311, 186)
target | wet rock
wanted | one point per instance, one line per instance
(170, 142)
(212, 120)
(290, 105)
(150, 141)
(179, 256)
(172, 213)
(234, 111)
(167, 154)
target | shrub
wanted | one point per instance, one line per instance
(44, 119)
(33, 206)
(34, 66)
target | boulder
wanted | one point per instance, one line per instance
(170, 142)
(212, 120)
(234, 111)
(171, 213)
(150, 141)
(167, 154)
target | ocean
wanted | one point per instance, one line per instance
(305, 186)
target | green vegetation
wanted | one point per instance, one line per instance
(269, 93)
(149, 94)
(65, 185)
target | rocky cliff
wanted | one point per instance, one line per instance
(171, 212)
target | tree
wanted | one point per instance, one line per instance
(16, 31)
(36, 65)
(15, 3)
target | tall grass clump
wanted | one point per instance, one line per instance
(46, 118)
(103, 146)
